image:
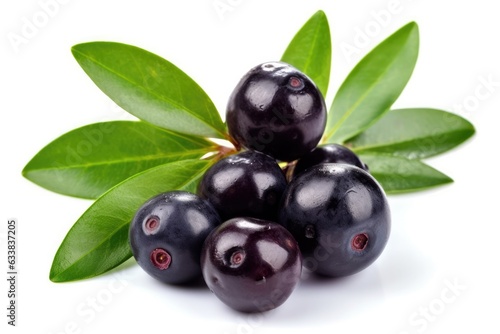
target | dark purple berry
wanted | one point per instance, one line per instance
(277, 110)
(244, 184)
(340, 217)
(330, 153)
(252, 265)
(167, 234)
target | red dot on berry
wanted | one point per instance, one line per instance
(235, 257)
(152, 225)
(359, 242)
(160, 258)
(295, 82)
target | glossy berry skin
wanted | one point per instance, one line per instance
(251, 265)
(167, 234)
(340, 217)
(244, 184)
(330, 153)
(277, 110)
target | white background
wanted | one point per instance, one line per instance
(440, 238)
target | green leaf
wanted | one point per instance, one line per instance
(88, 161)
(150, 87)
(373, 85)
(399, 174)
(414, 133)
(311, 50)
(98, 241)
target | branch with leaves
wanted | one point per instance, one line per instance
(122, 164)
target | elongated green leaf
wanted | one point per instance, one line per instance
(88, 161)
(373, 85)
(150, 87)
(311, 50)
(414, 133)
(98, 241)
(399, 174)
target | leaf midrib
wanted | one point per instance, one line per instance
(311, 50)
(362, 98)
(397, 143)
(118, 161)
(144, 89)
(183, 185)
(443, 178)
(188, 138)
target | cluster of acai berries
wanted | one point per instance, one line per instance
(252, 226)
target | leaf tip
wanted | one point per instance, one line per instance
(320, 14)
(75, 48)
(25, 171)
(53, 277)
(472, 129)
(444, 179)
(58, 276)
(82, 48)
(447, 179)
(414, 30)
(412, 25)
(409, 29)
(28, 169)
